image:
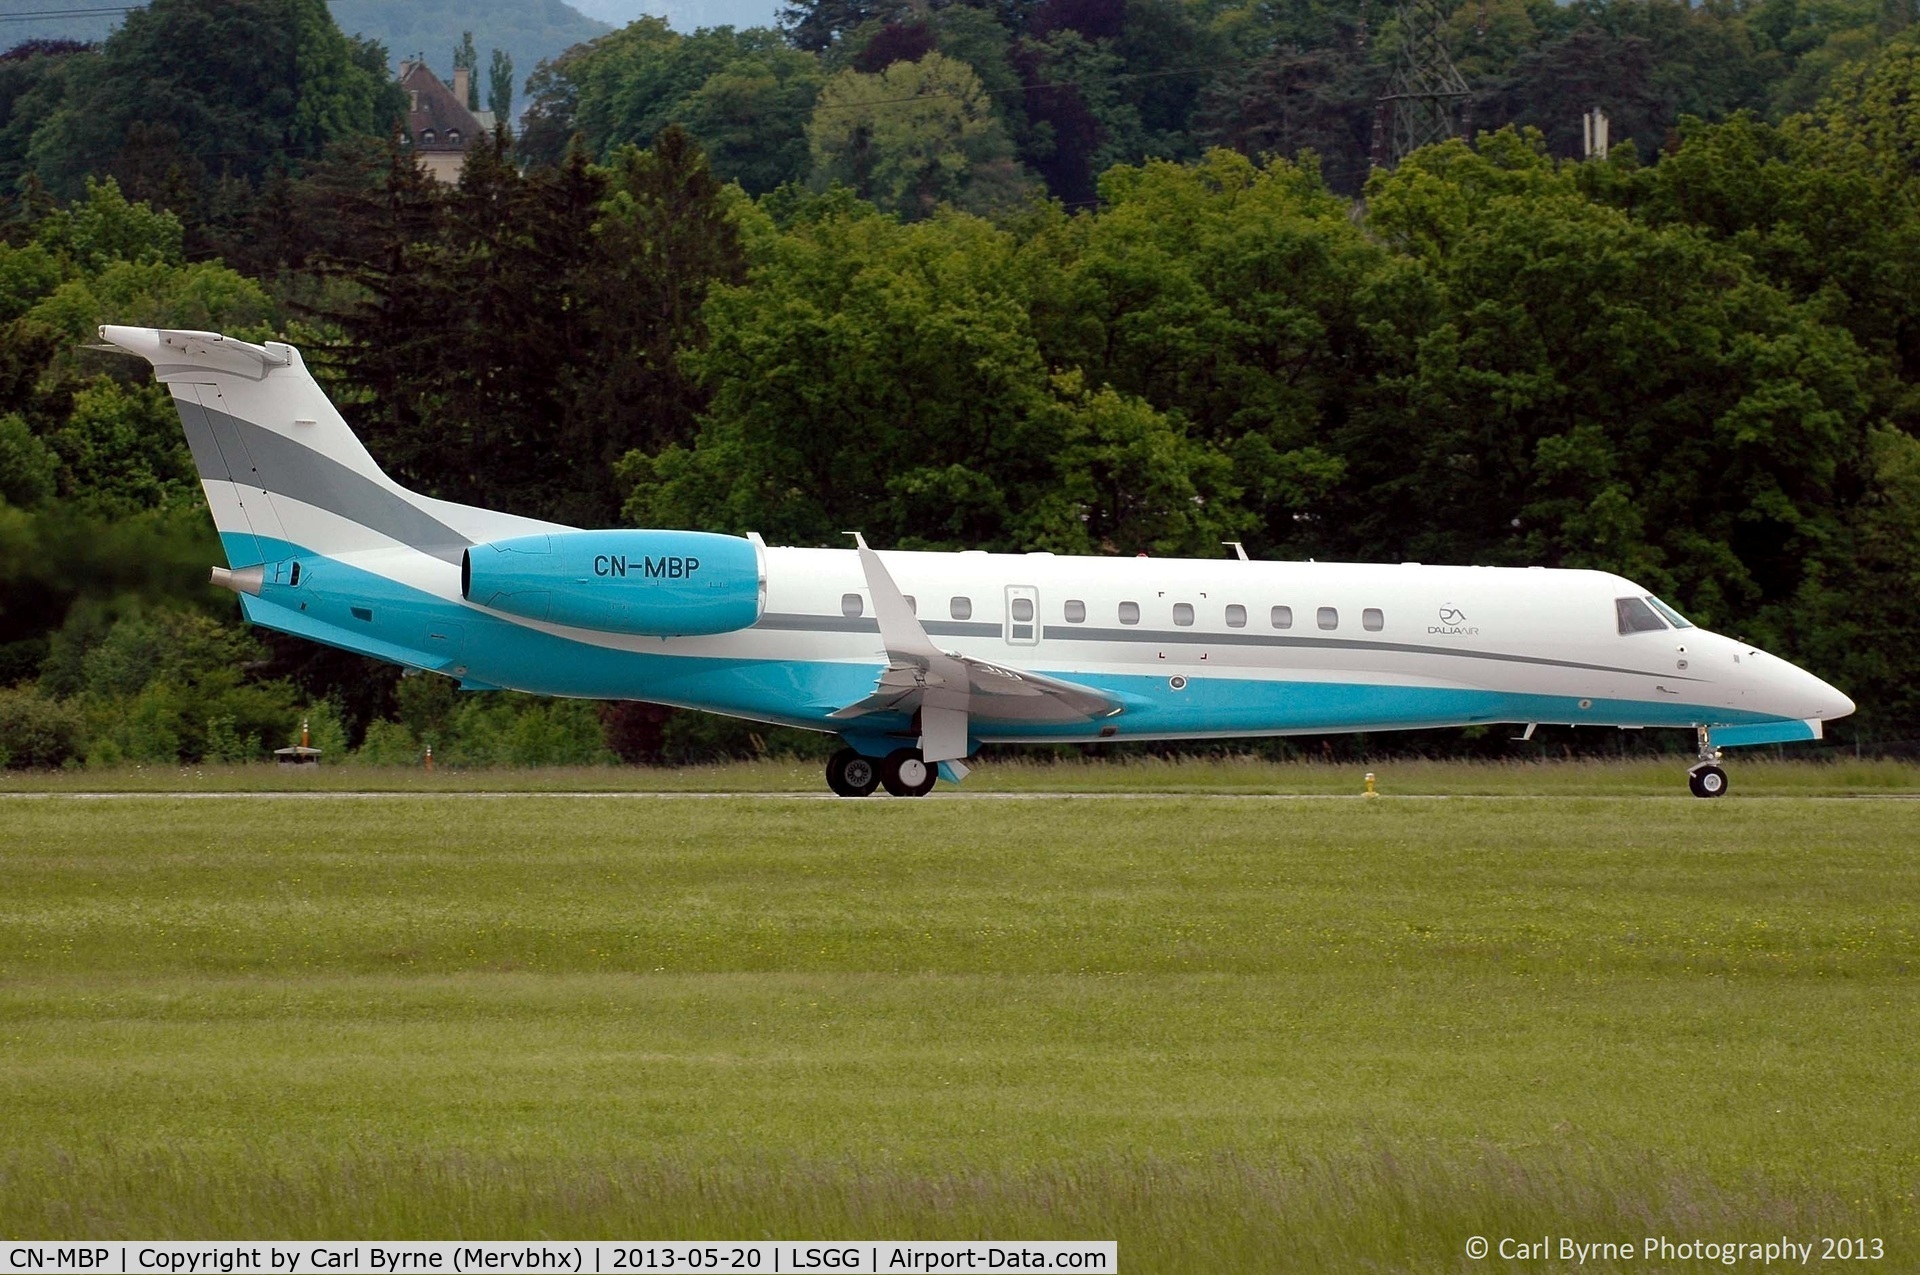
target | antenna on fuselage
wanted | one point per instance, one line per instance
(1239, 549)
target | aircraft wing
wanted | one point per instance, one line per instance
(995, 693)
(948, 689)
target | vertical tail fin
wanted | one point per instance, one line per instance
(282, 470)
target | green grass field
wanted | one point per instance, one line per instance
(1235, 1035)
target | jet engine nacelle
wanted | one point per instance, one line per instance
(656, 583)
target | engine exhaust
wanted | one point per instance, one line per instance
(245, 580)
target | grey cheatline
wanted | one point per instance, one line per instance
(1017, 648)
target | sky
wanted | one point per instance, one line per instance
(685, 15)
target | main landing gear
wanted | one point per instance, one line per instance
(902, 771)
(1706, 779)
(851, 775)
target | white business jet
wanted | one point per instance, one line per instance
(915, 660)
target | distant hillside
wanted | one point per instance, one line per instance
(15, 30)
(686, 15)
(529, 30)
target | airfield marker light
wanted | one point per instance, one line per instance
(1370, 792)
(303, 733)
(429, 756)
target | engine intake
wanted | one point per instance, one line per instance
(654, 583)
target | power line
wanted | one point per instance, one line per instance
(42, 15)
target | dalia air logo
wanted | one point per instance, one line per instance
(1453, 622)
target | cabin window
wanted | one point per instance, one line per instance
(1236, 616)
(1023, 610)
(1636, 616)
(1076, 611)
(851, 604)
(1372, 620)
(1282, 617)
(960, 608)
(1129, 613)
(1183, 614)
(1672, 616)
(1327, 618)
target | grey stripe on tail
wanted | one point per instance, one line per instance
(228, 449)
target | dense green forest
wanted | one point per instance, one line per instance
(1088, 277)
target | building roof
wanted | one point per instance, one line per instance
(436, 119)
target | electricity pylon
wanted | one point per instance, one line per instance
(1427, 99)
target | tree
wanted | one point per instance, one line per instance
(1817, 224)
(500, 87)
(915, 136)
(466, 57)
(1554, 85)
(521, 333)
(472, 329)
(1070, 102)
(871, 371)
(751, 118)
(201, 87)
(27, 467)
(665, 237)
(1867, 123)
(1587, 390)
(34, 80)
(743, 95)
(1290, 102)
(1129, 479)
(817, 25)
(1240, 298)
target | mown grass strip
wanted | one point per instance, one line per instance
(1351, 1032)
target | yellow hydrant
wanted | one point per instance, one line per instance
(1370, 792)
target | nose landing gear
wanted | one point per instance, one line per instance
(1706, 779)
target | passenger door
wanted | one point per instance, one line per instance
(1023, 615)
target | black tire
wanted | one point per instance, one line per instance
(851, 775)
(1707, 780)
(906, 775)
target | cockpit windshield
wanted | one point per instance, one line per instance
(1674, 618)
(1636, 616)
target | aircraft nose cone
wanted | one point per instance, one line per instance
(1816, 698)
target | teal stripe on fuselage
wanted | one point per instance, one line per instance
(343, 606)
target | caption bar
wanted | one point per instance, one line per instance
(611, 1257)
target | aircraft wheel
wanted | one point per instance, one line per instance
(906, 775)
(852, 775)
(1707, 781)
